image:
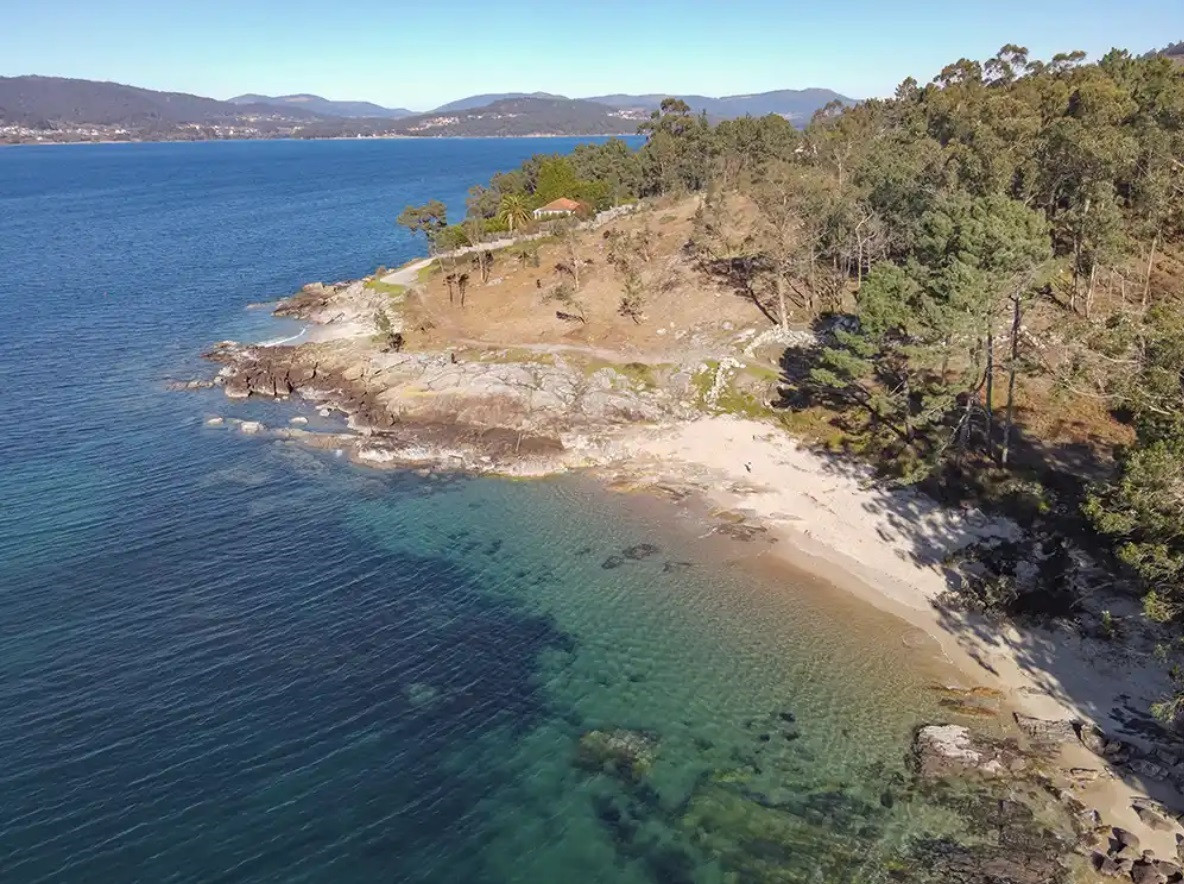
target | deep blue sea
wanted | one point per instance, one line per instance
(225, 658)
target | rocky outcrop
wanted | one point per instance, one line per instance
(322, 304)
(1045, 733)
(1121, 858)
(950, 750)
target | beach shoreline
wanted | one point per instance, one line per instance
(537, 409)
(832, 521)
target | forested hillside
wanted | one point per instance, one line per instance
(994, 265)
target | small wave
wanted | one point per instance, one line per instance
(288, 340)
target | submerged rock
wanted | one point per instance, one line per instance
(626, 754)
(640, 551)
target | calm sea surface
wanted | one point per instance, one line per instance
(230, 659)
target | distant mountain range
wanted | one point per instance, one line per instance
(38, 109)
(324, 106)
(524, 115)
(794, 104)
(797, 105)
(475, 101)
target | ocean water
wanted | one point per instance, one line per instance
(230, 659)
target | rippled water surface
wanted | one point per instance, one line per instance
(231, 659)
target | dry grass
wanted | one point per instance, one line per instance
(515, 309)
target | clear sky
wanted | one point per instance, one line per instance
(421, 54)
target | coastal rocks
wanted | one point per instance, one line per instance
(196, 384)
(250, 427)
(1046, 733)
(625, 754)
(1153, 815)
(1148, 769)
(635, 553)
(1010, 844)
(1122, 859)
(950, 750)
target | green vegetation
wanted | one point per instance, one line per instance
(389, 288)
(429, 220)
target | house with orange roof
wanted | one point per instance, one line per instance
(557, 209)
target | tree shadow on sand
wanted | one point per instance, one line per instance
(1065, 632)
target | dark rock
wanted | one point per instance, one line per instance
(1146, 873)
(639, 552)
(1167, 869)
(1121, 838)
(675, 567)
(1148, 769)
(612, 562)
(1153, 819)
(1105, 865)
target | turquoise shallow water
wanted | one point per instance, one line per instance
(232, 659)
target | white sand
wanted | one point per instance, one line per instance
(887, 546)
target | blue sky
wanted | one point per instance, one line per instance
(422, 54)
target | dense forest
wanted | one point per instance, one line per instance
(983, 257)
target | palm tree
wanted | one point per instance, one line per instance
(514, 211)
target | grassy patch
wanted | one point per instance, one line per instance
(388, 288)
(640, 374)
(425, 273)
(704, 380)
(517, 354)
(742, 404)
(814, 424)
(764, 373)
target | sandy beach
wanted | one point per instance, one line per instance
(831, 518)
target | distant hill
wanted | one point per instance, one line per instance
(324, 106)
(475, 101)
(523, 115)
(797, 105)
(57, 100)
